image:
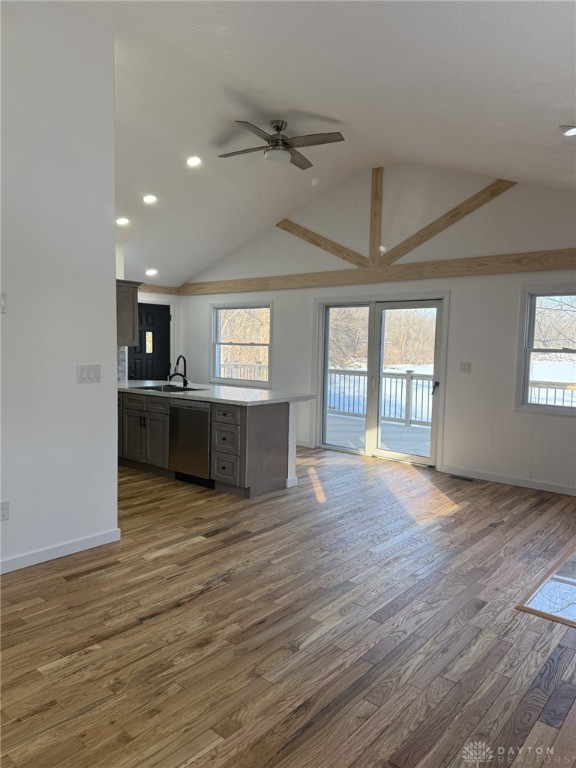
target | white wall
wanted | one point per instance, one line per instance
(58, 273)
(482, 433)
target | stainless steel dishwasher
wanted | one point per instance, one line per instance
(190, 438)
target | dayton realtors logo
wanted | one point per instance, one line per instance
(476, 753)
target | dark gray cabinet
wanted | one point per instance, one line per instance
(145, 429)
(157, 447)
(127, 313)
(248, 445)
(249, 448)
(133, 435)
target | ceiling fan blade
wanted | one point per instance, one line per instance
(299, 160)
(315, 138)
(254, 129)
(243, 151)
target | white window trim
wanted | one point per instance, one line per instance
(523, 366)
(249, 383)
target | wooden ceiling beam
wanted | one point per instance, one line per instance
(447, 219)
(323, 242)
(167, 289)
(507, 263)
(376, 199)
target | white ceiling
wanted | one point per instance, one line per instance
(478, 86)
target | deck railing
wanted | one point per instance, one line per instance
(552, 393)
(244, 371)
(406, 398)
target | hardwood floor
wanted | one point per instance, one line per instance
(363, 619)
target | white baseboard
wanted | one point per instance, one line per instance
(291, 482)
(522, 482)
(305, 444)
(61, 550)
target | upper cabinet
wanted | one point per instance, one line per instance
(127, 313)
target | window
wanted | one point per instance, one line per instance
(549, 359)
(242, 343)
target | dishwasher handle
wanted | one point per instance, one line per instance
(195, 405)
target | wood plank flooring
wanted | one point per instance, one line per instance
(364, 619)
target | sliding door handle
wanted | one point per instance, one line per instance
(435, 387)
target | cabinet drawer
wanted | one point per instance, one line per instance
(158, 404)
(226, 438)
(226, 468)
(135, 402)
(226, 414)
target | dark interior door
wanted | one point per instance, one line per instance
(151, 358)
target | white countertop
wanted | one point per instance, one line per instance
(215, 393)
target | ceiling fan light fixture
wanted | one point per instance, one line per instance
(278, 154)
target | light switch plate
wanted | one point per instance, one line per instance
(88, 374)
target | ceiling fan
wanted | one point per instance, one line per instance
(282, 149)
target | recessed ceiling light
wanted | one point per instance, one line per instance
(314, 182)
(382, 249)
(568, 130)
(149, 199)
(193, 161)
(151, 272)
(122, 221)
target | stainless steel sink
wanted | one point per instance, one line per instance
(171, 388)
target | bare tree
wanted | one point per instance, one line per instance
(555, 324)
(408, 336)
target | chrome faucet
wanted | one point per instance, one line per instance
(177, 372)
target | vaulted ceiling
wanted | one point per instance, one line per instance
(477, 86)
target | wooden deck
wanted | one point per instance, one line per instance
(350, 432)
(364, 619)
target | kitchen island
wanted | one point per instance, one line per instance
(240, 440)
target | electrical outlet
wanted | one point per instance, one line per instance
(4, 510)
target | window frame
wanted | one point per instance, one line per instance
(526, 348)
(215, 343)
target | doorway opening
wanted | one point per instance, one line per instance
(151, 358)
(381, 378)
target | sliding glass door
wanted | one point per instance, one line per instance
(346, 376)
(381, 376)
(406, 359)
